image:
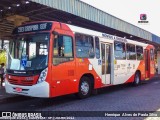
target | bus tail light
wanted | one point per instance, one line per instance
(42, 76)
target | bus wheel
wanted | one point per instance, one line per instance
(136, 79)
(84, 88)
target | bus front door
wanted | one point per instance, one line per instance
(106, 63)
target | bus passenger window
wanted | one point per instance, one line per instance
(84, 46)
(63, 49)
(119, 50)
(97, 48)
(139, 51)
(131, 53)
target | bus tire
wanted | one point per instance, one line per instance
(85, 88)
(137, 79)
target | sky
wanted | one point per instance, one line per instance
(130, 10)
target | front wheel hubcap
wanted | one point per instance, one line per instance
(84, 88)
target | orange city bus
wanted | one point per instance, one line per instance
(49, 59)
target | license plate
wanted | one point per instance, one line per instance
(18, 89)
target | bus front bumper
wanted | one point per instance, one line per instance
(38, 90)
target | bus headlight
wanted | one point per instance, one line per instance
(42, 76)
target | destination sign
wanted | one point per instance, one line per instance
(33, 27)
(114, 37)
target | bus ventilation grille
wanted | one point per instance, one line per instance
(21, 82)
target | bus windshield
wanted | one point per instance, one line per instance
(29, 52)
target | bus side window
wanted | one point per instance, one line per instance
(84, 46)
(131, 52)
(119, 50)
(63, 49)
(139, 51)
(97, 47)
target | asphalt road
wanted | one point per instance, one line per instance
(145, 97)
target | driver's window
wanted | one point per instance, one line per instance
(63, 49)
